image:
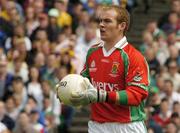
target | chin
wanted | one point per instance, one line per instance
(103, 38)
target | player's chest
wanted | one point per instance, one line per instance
(109, 68)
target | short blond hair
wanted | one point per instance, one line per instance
(122, 14)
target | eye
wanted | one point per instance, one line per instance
(107, 20)
(104, 20)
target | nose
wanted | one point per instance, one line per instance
(101, 24)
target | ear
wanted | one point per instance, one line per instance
(122, 26)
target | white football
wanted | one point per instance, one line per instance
(70, 83)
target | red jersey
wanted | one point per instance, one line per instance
(121, 69)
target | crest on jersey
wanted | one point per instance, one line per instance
(92, 67)
(93, 64)
(115, 66)
(137, 75)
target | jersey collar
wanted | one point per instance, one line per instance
(120, 44)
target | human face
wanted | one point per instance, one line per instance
(109, 27)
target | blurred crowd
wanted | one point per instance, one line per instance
(41, 41)
(161, 47)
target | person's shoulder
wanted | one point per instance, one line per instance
(131, 50)
(96, 45)
(133, 53)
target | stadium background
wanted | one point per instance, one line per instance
(41, 41)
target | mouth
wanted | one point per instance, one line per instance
(102, 31)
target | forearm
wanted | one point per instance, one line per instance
(132, 96)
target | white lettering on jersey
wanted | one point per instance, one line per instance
(104, 85)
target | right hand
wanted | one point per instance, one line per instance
(90, 95)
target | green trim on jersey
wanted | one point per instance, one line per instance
(143, 86)
(122, 94)
(85, 73)
(126, 61)
(123, 97)
(137, 112)
(149, 77)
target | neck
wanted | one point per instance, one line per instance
(111, 43)
(34, 81)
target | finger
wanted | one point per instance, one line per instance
(75, 102)
(86, 82)
(76, 94)
(57, 86)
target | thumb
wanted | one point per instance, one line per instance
(57, 86)
(76, 94)
(86, 82)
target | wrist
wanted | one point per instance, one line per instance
(112, 97)
(102, 95)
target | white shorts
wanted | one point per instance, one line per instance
(134, 127)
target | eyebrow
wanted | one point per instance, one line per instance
(105, 19)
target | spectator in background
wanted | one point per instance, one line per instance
(19, 92)
(173, 23)
(34, 86)
(23, 124)
(175, 7)
(67, 111)
(85, 41)
(5, 77)
(3, 6)
(3, 128)
(163, 118)
(160, 83)
(6, 30)
(51, 125)
(84, 22)
(148, 43)
(151, 124)
(64, 18)
(55, 106)
(153, 64)
(154, 100)
(43, 25)
(15, 17)
(169, 93)
(54, 29)
(31, 22)
(171, 128)
(172, 39)
(43, 42)
(176, 120)
(8, 7)
(49, 71)
(18, 66)
(162, 53)
(76, 13)
(66, 61)
(154, 30)
(176, 107)
(34, 116)
(18, 33)
(173, 55)
(173, 74)
(11, 109)
(39, 61)
(38, 7)
(5, 119)
(33, 105)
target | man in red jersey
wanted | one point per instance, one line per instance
(118, 78)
